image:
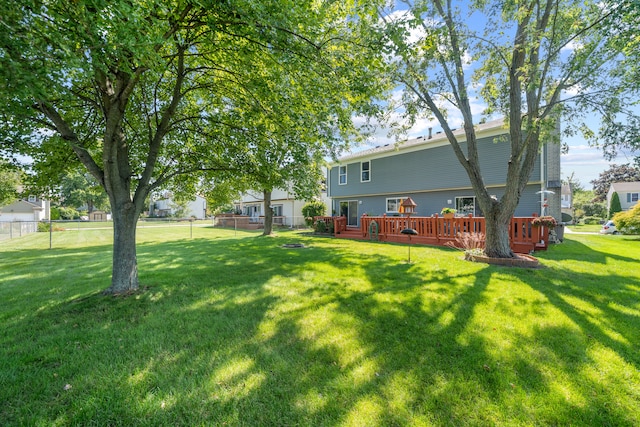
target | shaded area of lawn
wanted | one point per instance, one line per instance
(243, 332)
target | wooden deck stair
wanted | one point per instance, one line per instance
(351, 233)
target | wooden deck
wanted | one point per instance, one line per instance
(436, 230)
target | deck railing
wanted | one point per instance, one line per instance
(436, 230)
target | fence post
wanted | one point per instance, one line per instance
(50, 232)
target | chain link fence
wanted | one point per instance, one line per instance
(242, 222)
(16, 229)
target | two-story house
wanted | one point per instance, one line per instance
(377, 180)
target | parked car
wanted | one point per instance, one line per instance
(609, 228)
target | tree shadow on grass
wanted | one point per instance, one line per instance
(245, 333)
(575, 250)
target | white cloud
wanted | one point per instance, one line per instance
(571, 46)
(588, 162)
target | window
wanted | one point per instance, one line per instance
(342, 175)
(32, 198)
(632, 197)
(365, 168)
(252, 211)
(466, 205)
(277, 210)
(394, 205)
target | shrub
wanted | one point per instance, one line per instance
(470, 243)
(628, 221)
(594, 209)
(312, 209)
(43, 227)
(62, 212)
(615, 205)
(320, 227)
(591, 220)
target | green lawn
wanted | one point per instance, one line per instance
(585, 228)
(233, 329)
(145, 222)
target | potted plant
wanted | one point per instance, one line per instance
(448, 212)
(544, 221)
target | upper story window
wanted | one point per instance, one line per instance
(365, 169)
(32, 198)
(632, 197)
(342, 175)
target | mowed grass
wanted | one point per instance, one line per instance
(585, 228)
(233, 329)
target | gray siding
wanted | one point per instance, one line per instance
(430, 203)
(425, 170)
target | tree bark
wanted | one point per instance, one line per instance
(124, 277)
(497, 243)
(268, 214)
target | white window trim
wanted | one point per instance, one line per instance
(362, 171)
(475, 204)
(399, 199)
(345, 175)
(281, 206)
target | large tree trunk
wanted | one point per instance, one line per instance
(268, 213)
(497, 244)
(124, 277)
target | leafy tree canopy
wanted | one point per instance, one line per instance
(147, 94)
(10, 180)
(79, 189)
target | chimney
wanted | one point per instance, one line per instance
(430, 130)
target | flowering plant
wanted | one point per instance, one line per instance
(447, 211)
(544, 221)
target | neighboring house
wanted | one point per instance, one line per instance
(628, 192)
(164, 206)
(31, 209)
(287, 210)
(376, 181)
(566, 200)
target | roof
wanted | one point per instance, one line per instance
(422, 142)
(626, 186)
(21, 206)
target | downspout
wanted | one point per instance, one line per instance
(543, 178)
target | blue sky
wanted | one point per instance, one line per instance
(584, 161)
